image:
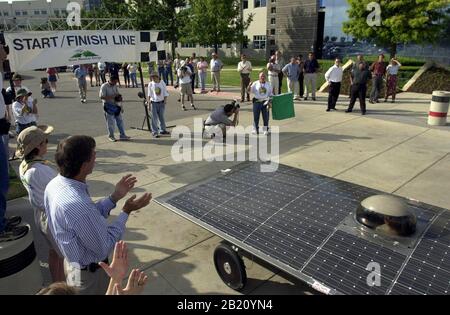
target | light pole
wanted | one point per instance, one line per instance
(10, 2)
(50, 13)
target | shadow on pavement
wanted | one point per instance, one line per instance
(191, 171)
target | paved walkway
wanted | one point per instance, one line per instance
(391, 149)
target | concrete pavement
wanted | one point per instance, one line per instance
(390, 149)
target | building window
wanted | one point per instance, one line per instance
(272, 42)
(259, 3)
(24, 13)
(273, 21)
(245, 4)
(273, 10)
(187, 45)
(259, 42)
(56, 12)
(272, 31)
(245, 43)
(44, 12)
(18, 12)
(5, 13)
(37, 12)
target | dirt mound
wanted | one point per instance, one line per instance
(431, 79)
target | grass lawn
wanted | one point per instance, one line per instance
(230, 76)
(16, 189)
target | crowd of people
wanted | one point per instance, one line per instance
(77, 231)
(79, 237)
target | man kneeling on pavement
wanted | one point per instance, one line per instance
(219, 120)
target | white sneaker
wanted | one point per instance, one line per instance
(266, 133)
(112, 139)
(254, 132)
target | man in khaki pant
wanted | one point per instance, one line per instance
(311, 67)
(216, 66)
(244, 68)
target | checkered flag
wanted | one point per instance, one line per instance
(152, 46)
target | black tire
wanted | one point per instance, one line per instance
(230, 267)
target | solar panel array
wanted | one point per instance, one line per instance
(297, 220)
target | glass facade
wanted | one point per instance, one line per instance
(338, 44)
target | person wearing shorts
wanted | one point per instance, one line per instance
(185, 73)
(52, 74)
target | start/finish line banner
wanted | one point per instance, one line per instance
(37, 50)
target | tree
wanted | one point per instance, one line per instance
(402, 21)
(171, 19)
(108, 9)
(213, 22)
(145, 14)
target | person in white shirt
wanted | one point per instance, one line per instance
(133, 68)
(274, 71)
(244, 68)
(35, 174)
(184, 74)
(24, 112)
(391, 80)
(17, 80)
(177, 66)
(102, 69)
(334, 78)
(216, 66)
(157, 99)
(262, 91)
(202, 67)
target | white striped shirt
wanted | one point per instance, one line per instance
(78, 224)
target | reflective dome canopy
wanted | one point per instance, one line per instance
(387, 213)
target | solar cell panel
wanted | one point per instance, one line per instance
(304, 223)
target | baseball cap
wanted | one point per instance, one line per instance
(30, 138)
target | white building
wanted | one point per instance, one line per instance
(33, 9)
(255, 44)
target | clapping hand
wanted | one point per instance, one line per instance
(133, 204)
(118, 268)
(123, 187)
(136, 283)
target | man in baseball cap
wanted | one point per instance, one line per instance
(24, 111)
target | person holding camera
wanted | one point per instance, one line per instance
(24, 112)
(184, 74)
(219, 119)
(262, 92)
(113, 111)
(157, 99)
